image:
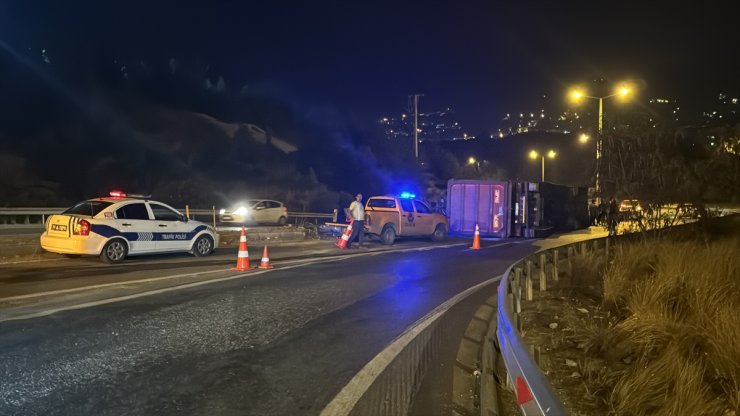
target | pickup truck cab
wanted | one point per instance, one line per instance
(389, 217)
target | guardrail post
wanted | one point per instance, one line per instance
(187, 212)
(530, 295)
(518, 322)
(518, 286)
(555, 265)
(214, 216)
(570, 261)
(543, 277)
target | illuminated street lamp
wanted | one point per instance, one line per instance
(534, 155)
(474, 162)
(576, 95)
(584, 138)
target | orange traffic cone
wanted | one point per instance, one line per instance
(242, 259)
(342, 242)
(265, 263)
(476, 239)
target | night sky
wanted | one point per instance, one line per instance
(483, 58)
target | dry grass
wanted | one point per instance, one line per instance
(678, 331)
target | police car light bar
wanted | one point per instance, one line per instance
(121, 194)
(407, 195)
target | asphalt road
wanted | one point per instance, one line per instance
(281, 342)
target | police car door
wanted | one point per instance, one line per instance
(172, 230)
(134, 223)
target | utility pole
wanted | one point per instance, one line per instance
(416, 123)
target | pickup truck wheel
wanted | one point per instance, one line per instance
(440, 233)
(388, 235)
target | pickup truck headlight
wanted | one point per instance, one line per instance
(241, 211)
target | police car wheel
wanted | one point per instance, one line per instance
(203, 246)
(114, 251)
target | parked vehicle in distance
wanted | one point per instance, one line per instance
(390, 217)
(117, 226)
(256, 211)
(629, 209)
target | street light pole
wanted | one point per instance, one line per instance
(543, 168)
(597, 186)
(534, 155)
(416, 124)
(577, 95)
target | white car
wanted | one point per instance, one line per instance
(262, 211)
(117, 226)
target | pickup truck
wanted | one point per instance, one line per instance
(389, 217)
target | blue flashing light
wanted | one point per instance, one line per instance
(407, 195)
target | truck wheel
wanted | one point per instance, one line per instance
(388, 235)
(440, 233)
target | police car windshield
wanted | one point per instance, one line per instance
(91, 208)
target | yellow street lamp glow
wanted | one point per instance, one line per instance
(576, 95)
(471, 160)
(623, 91)
(551, 154)
(583, 138)
(533, 154)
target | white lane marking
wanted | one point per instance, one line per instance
(345, 401)
(102, 285)
(153, 292)
(299, 262)
(176, 276)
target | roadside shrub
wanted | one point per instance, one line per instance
(680, 326)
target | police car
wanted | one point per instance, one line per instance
(120, 225)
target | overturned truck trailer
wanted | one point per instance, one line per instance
(482, 203)
(514, 209)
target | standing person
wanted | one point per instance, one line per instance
(613, 218)
(357, 212)
(593, 213)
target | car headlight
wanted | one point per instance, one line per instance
(222, 212)
(241, 211)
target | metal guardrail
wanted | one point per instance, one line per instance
(37, 216)
(534, 393)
